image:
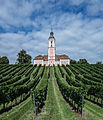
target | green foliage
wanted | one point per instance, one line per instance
(69, 92)
(13, 87)
(91, 77)
(82, 61)
(35, 79)
(100, 62)
(10, 81)
(41, 90)
(4, 60)
(4, 96)
(73, 80)
(73, 61)
(23, 57)
(96, 91)
(69, 78)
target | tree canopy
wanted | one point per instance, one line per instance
(4, 60)
(23, 57)
(73, 61)
(99, 62)
(82, 61)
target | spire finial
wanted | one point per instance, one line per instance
(51, 33)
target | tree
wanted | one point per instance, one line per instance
(23, 57)
(99, 62)
(4, 60)
(73, 61)
(82, 61)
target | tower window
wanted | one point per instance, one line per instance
(51, 43)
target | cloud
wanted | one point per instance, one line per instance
(77, 34)
(76, 2)
(95, 8)
(12, 43)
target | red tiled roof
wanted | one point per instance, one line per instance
(57, 57)
(41, 57)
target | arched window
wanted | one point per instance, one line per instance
(51, 43)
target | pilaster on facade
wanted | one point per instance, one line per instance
(42, 62)
(68, 61)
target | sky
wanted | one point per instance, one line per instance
(77, 27)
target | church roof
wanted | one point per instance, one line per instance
(58, 57)
(41, 57)
(45, 57)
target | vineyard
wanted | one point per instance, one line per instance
(30, 92)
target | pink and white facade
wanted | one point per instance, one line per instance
(52, 59)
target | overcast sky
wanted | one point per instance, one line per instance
(77, 27)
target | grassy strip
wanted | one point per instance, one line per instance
(55, 107)
(18, 111)
(93, 111)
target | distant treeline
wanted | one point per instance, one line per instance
(24, 58)
(82, 61)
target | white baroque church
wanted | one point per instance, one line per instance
(52, 58)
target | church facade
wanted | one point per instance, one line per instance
(52, 58)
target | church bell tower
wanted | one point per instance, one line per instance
(51, 49)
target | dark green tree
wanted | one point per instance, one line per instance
(73, 61)
(82, 61)
(23, 57)
(99, 62)
(4, 60)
